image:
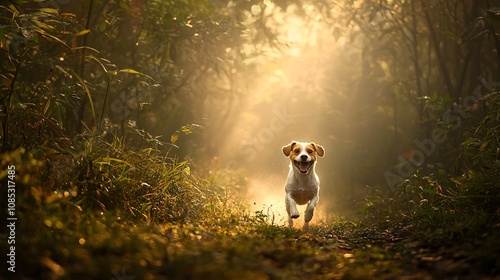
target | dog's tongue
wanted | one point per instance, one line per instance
(303, 166)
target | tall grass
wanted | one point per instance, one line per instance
(100, 206)
(144, 183)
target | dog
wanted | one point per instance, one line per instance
(302, 184)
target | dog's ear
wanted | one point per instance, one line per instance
(288, 148)
(319, 149)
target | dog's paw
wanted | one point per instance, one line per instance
(308, 215)
(294, 213)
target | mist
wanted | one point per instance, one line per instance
(314, 89)
(363, 91)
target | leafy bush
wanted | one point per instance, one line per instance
(457, 209)
(479, 184)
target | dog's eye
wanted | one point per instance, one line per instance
(310, 151)
(296, 151)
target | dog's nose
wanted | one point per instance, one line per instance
(303, 157)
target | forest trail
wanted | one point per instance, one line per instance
(254, 249)
(344, 250)
(242, 243)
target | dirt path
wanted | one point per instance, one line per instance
(346, 250)
(253, 249)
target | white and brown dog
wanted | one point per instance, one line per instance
(302, 184)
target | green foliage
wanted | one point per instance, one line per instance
(35, 46)
(94, 209)
(66, 70)
(479, 184)
(458, 209)
(143, 184)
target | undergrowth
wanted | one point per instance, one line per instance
(455, 211)
(110, 206)
(116, 212)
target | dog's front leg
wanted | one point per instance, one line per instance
(290, 220)
(291, 209)
(310, 211)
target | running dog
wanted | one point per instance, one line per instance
(302, 184)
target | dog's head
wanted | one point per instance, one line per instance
(303, 154)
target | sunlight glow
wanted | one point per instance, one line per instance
(275, 112)
(295, 52)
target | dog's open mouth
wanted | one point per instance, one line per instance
(303, 166)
